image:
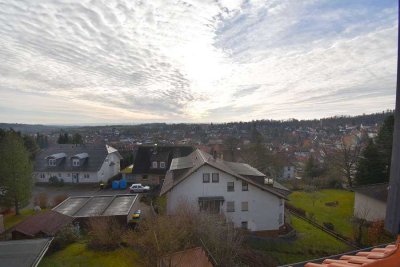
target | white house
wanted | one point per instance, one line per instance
(370, 201)
(88, 163)
(245, 195)
(289, 172)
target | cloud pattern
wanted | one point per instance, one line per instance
(123, 61)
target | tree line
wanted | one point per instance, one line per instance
(358, 163)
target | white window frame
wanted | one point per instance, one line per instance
(52, 162)
(154, 164)
(75, 162)
(162, 164)
(230, 206)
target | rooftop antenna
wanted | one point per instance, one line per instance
(392, 221)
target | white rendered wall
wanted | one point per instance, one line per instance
(264, 207)
(369, 208)
(106, 171)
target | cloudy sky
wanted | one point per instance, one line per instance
(126, 61)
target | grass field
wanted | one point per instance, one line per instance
(311, 243)
(340, 215)
(78, 255)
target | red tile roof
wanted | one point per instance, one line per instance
(388, 256)
(48, 223)
(195, 257)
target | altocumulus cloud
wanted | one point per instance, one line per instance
(134, 61)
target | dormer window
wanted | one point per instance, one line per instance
(162, 164)
(75, 162)
(52, 162)
(154, 164)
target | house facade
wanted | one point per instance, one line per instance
(72, 163)
(234, 189)
(289, 172)
(370, 202)
(151, 162)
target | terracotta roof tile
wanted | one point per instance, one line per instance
(388, 256)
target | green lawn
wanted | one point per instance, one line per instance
(311, 243)
(78, 255)
(340, 215)
(11, 219)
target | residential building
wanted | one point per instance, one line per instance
(246, 196)
(151, 162)
(370, 201)
(89, 163)
(289, 172)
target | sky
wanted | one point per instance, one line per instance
(128, 61)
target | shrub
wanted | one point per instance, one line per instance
(68, 235)
(167, 234)
(105, 233)
(59, 198)
(376, 232)
(55, 181)
(41, 200)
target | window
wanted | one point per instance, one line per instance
(245, 186)
(162, 164)
(75, 162)
(86, 175)
(281, 202)
(154, 164)
(52, 162)
(230, 206)
(211, 206)
(42, 175)
(215, 177)
(245, 206)
(244, 225)
(280, 220)
(144, 177)
(206, 177)
(231, 186)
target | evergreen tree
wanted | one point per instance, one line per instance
(77, 139)
(311, 168)
(384, 142)
(31, 146)
(15, 171)
(371, 166)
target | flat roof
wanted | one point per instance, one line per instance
(23, 253)
(88, 206)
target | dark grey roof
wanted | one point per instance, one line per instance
(144, 155)
(87, 206)
(96, 155)
(23, 253)
(199, 158)
(375, 191)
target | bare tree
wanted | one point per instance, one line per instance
(185, 229)
(360, 222)
(345, 159)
